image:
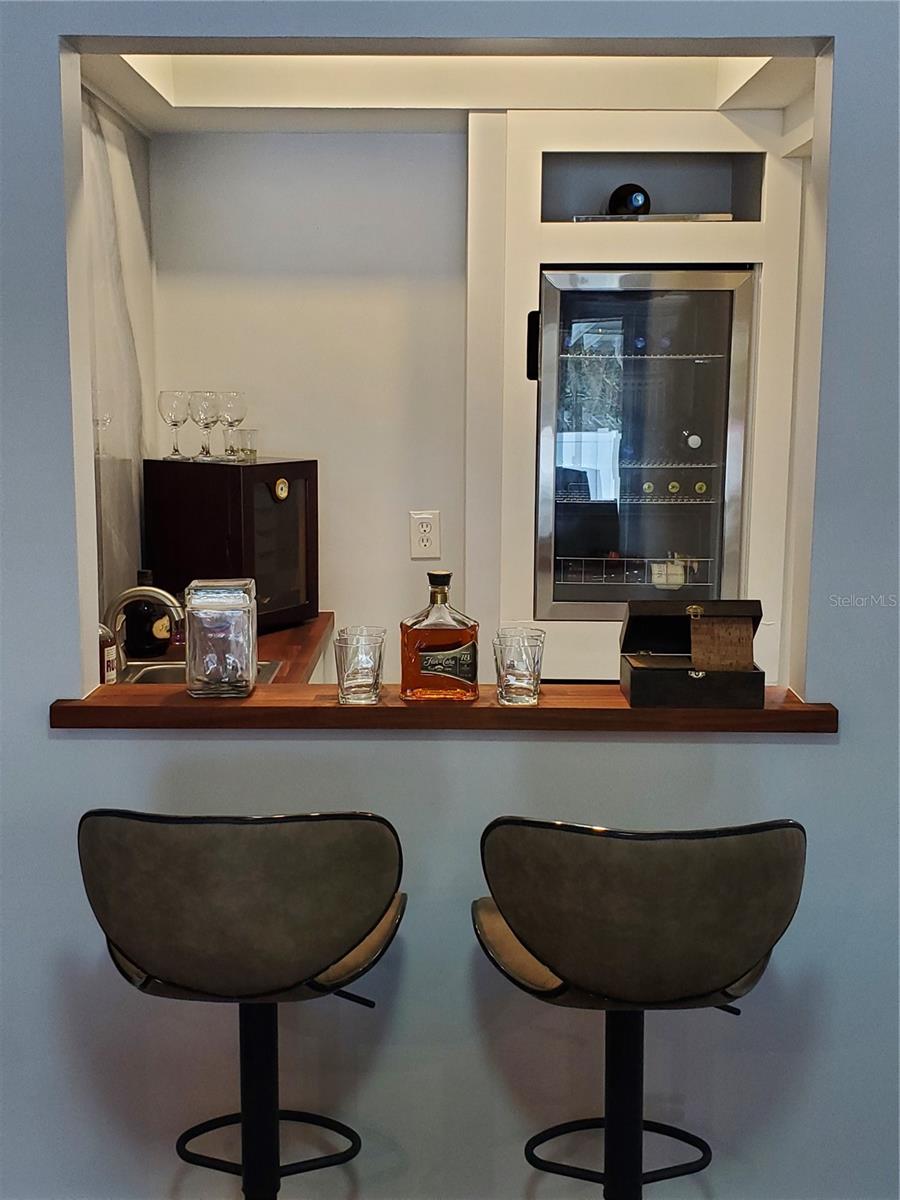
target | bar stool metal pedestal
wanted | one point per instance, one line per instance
(260, 1168)
(623, 1176)
(586, 917)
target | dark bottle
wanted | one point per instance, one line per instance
(148, 630)
(628, 200)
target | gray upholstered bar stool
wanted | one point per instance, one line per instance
(253, 911)
(626, 922)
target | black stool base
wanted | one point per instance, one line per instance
(284, 1114)
(260, 1168)
(558, 1168)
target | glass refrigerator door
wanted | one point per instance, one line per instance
(640, 439)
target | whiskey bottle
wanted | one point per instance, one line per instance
(439, 649)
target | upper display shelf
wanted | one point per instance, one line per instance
(717, 216)
(684, 186)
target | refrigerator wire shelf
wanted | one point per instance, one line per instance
(697, 357)
(664, 500)
(668, 466)
(614, 572)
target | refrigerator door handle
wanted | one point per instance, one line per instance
(533, 346)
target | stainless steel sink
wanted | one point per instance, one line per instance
(173, 672)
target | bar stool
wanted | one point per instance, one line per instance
(595, 918)
(252, 911)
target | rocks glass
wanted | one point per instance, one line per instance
(517, 656)
(244, 442)
(359, 658)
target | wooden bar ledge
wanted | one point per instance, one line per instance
(563, 708)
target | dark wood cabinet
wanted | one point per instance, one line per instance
(237, 520)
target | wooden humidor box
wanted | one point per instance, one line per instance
(691, 656)
(245, 520)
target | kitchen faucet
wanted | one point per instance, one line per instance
(115, 614)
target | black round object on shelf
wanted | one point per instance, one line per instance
(628, 200)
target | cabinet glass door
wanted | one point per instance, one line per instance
(279, 544)
(643, 381)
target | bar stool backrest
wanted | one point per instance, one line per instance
(237, 907)
(645, 918)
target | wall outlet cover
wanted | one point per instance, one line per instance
(425, 534)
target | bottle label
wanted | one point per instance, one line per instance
(461, 663)
(109, 664)
(160, 628)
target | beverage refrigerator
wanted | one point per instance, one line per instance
(643, 380)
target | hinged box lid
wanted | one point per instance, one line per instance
(711, 634)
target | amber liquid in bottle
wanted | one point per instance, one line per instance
(439, 649)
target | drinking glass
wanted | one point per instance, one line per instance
(359, 662)
(173, 408)
(204, 409)
(245, 444)
(518, 662)
(506, 631)
(364, 631)
(234, 409)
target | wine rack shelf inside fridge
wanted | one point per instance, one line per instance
(643, 378)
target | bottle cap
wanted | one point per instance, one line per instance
(440, 579)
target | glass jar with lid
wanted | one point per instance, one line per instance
(220, 630)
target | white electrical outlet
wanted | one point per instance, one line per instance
(425, 534)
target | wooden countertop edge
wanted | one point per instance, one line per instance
(587, 708)
(299, 648)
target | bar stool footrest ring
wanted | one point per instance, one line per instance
(284, 1114)
(556, 1168)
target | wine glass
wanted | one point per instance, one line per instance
(102, 422)
(173, 408)
(234, 409)
(204, 408)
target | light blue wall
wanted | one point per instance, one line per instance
(451, 1073)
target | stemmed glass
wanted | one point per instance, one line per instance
(205, 408)
(102, 422)
(173, 408)
(234, 409)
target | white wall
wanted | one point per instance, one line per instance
(324, 275)
(454, 1069)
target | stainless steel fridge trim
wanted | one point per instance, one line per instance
(741, 284)
(735, 448)
(548, 389)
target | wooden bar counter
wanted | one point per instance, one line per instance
(291, 702)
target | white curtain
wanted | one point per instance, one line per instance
(115, 375)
